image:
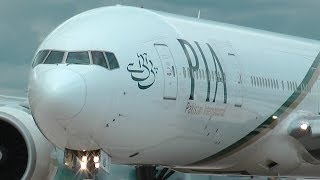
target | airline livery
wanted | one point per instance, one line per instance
(127, 85)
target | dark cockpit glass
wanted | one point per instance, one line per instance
(78, 58)
(55, 57)
(113, 63)
(99, 59)
(40, 57)
(102, 58)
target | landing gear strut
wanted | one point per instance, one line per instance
(153, 173)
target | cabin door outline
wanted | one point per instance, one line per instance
(169, 71)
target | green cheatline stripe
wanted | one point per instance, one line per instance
(286, 108)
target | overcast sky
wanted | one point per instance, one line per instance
(24, 24)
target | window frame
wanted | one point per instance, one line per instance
(63, 58)
(105, 58)
(105, 55)
(67, 53)
(36, 56)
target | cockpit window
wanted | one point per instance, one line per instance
(78, 58)
(55, 57)
(113, 63)
(40, 57)
(99, 59)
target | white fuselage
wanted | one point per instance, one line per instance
(188, 93)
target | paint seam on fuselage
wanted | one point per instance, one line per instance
(282, 112)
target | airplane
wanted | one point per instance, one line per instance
(140, 87)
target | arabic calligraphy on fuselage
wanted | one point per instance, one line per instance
(143, 72)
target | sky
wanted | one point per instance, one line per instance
(24, 24)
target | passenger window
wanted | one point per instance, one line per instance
(40, 57)
(54, 57)
(289, 86)
(260, 80)
(78, 58)
(293, 86)
(98, 59)
(113, 63)
(265, 83)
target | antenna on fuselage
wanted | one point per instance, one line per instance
(199, 13)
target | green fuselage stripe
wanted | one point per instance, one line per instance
(286, 108)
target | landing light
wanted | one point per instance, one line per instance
(83, 165)
(84, 158)
(274, 117)
(304, 126)
(96, 159)
(97, 165)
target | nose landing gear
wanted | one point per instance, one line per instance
(87, 162)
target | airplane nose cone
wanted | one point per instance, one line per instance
(58, 94)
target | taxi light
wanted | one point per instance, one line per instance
(83, 165)
(97, 165)
(274, 117)
(96, 159)
(304, 126)
(84, 159)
